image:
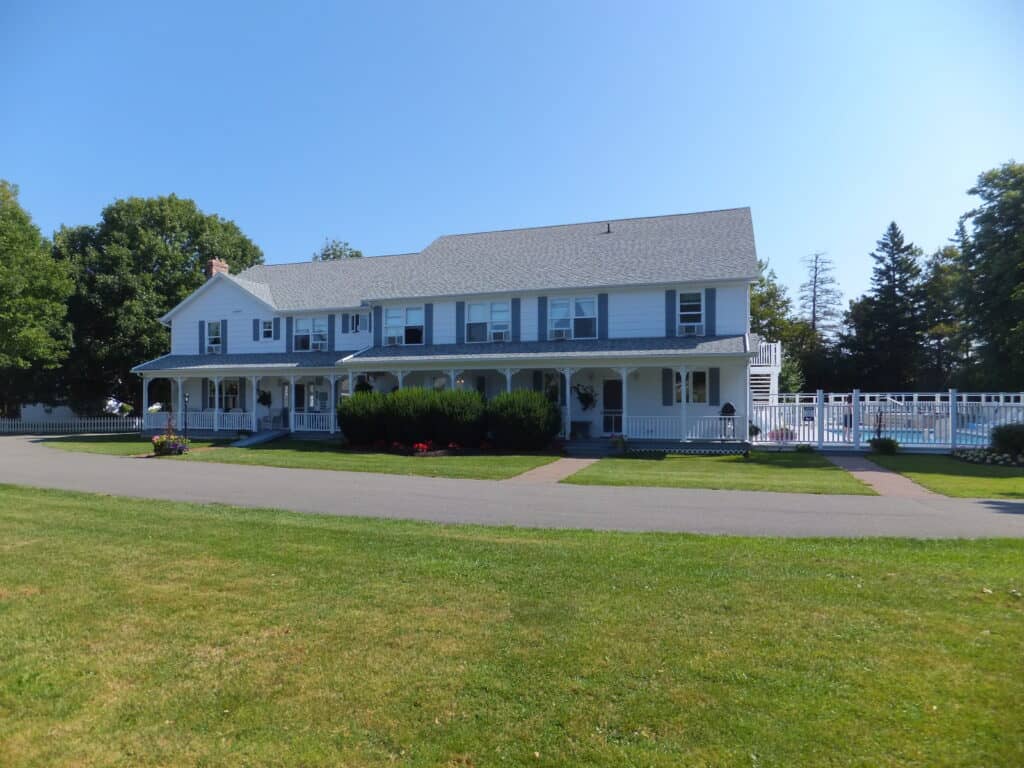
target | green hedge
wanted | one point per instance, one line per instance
(1008, 438)
(516, 421)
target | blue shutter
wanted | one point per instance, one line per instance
(289, 336)
(516, 320)
(330, 332)
(344, 322)
(277, 329)
(202, 337)
(542, 318)
(428, 324)
(460, 322)
(714, 385)
(255, 329)
(378, 325)
(223, 337)
(671, 313)
(668, 386)
(241, 393)
(602, 315)
(709, 313)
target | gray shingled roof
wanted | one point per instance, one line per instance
(694, 247)
(254, 360)
(653, 347)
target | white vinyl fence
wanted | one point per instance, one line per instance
(76, 426)
(940, 420)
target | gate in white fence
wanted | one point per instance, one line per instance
(99, 424)
(940, 420)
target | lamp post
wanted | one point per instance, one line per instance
(184, 417)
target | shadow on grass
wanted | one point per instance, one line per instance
(121, 437)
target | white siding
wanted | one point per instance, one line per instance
(444, 322)
(636, 314)
(352, 341)
(731, 309)
(224, 301)
(528, 318)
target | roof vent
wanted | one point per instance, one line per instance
(607, 227)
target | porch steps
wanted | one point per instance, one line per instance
(600, 448)
(259, 438)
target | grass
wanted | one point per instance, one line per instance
(114, 445)
(792, 472)
(157, 633)
(312, 454)
(952, 477)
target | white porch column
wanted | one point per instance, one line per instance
(400, 375)
(624, 373)
(453, 374)
(291, 403)
(334, 403)
(567, 426)
(351, 383)
(254, 382)
(509, 373)
(145, 402)
(216, 404)
(180, 406)
(683, 394)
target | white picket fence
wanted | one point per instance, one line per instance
(78, 426)
(940, 420)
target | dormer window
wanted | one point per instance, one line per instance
(310, 334)
(574, 318)
(488, 321)
(691, 313)
(403, 325)
(213, 337)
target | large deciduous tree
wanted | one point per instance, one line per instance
(142, 258)
(34, 332)
(333, 250)
(993, 262)
(945, 342)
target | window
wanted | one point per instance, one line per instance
(403, 325)
(310, 334)
(572, 318)
(213, 337)
(228, 394)
(488, 321)
(359, 323)
(267, 327)
(697, 387)
(691, 313)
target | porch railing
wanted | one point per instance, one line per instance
(769, 355)
(713, 428)
(313, 422)
(671, 428)
(653, 427)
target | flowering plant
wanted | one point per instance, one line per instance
(170, 445)
(154, 408)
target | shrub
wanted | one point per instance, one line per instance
(523, 420)
(1008, 438)
(884, 445)
(361, 417)
(169, 444)
(459, 416)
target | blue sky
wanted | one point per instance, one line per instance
(387, 124)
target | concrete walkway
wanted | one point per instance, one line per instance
(551, 505)
(553, 472)
(884, 481)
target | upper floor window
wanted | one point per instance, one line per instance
(691, 313)
(359, 323)
(267, 329)
(403, 325)
(213, 338)
(574, 318)
(310, 334)
(488, 321)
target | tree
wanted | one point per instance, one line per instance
(143, 257)
(884, 335)
(993, 263)
(34, 332)
(332, 250)
(770, 307)
(945, 344)
(791, 375)
(820, 295)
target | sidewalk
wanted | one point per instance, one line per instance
(885, 481)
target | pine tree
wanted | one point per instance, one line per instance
(820, 295)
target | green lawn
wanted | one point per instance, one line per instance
(790, 472)
(115, 445)
(952, 477)
(155, 633)
(311, 454)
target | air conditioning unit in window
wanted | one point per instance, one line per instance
(213, 349)
(392, 341)
(500, 335)
(560, 333)
(691, 329)
(319, 346)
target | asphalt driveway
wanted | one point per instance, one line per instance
(26, 462)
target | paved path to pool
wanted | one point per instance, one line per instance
(553, 472)
(490, 502)
(884, 481)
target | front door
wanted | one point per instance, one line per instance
(612, 410)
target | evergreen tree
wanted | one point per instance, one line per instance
(820, 295)
(770, 306)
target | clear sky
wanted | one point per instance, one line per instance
(387, 124)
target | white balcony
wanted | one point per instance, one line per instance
(769, 355)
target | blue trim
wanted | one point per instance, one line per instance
(344, 322)
(714, 386)
(202, 337)
(671, 313)
(255, 329)
(542, 318)
(709, 311)
(517, 322)
(223, 337)
(277, 329)
(378, 324)
(460, 322)
(331, 320)
(428, 323)
(602, 315)
(289, 335)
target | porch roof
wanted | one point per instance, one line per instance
(204, 363)
(566, 349)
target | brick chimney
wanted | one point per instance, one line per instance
(215, 266)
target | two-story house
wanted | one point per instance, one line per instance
(635, 326)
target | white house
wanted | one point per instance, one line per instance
(647, 319)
